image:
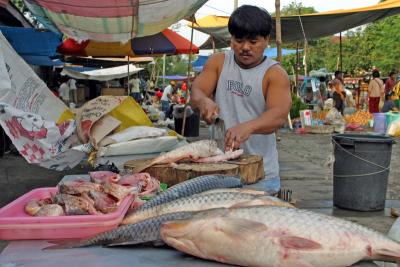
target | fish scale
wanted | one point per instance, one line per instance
(197, 202)
(193, 186)
(138, 233)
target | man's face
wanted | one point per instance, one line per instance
(249, 51)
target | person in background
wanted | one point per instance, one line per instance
(63, 90)
(72, 91)
(338, 95)
(135, 88)
(389, 104)
(166, 97)
(339, 76)
(375, 92)
(249, 91)
(390, 82)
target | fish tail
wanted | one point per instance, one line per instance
(387, 254)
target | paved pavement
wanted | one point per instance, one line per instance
(304, 161)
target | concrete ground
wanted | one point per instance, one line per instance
(304, 169)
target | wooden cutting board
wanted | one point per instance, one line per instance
(249, 167)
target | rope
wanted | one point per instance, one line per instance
(362, 159)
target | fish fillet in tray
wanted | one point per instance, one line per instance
(16, 224)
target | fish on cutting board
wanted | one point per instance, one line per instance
(193, 151)
(194, 186)
(277, 236)
(202, 202)
(223, 157)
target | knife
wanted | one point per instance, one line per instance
(217, 128)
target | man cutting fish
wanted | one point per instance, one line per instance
(249, 91)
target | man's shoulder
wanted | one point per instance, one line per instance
(276, 71)
(216, 60)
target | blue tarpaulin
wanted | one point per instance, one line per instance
(174, 77)
(269, 52)
(34, 46)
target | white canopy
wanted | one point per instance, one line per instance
(106, 74)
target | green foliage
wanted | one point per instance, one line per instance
(373, 45)
(296, 8)
(297, 105)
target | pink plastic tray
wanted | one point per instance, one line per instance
(15, 224)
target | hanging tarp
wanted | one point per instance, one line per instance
(110, 21)
(315, 25)
(166, 42)
(105, 74)
(34, 46)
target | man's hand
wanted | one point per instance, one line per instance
(208, 109)
(237, 135)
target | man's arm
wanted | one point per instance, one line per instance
(204, 85)
(278, 103)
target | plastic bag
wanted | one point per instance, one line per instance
(394, 128)
(335, 117)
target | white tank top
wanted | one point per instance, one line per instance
(240, 98)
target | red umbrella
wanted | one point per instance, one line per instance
(166, 42)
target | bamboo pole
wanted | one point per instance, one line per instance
(278, 35)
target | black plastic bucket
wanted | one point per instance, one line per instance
(192, 125)
(361, 171)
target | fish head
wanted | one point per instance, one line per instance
(182, 235)
(221, 238)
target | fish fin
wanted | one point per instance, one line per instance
(235, 227)
(261, 202)
(299, 243)
(65, 244)
(387, 255)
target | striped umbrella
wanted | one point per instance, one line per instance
(166, 42)
(111, 20)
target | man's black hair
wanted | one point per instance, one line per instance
(375, 74)
(337, 73)
(249, 22)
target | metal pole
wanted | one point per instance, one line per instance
(278, 30)
(341, 55)
(297, 65)
(190, 56)
(129, 91)
(188, 82)
(235, 4)
(163, 80)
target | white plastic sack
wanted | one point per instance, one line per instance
(139, 146)
(21, 88)
(132, 133)
(41, 141)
